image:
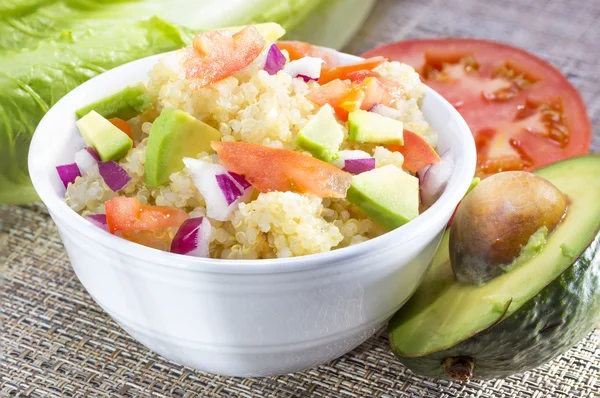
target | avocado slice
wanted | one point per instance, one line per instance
(388, 195)
(366, 126)
(322, 135)
(173, 136)
(107, 139)
(124, 104)
(520, 319)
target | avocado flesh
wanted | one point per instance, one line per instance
(322, 135)
(523, 318)
(388, 195)
(175, 135)
(125, 104)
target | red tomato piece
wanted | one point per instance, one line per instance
(272, 169)
(128, 214)
(333, 93)
(342, 71)
(359, 76)
(124, 126)
(219, 54)
(345, 96)
(416, 151)
(300, 49)
(523, 112)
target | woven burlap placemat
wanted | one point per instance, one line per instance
(57, 342)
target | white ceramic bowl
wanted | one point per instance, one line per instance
(244, 317)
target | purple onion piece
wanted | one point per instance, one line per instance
(275, 60)
(68, 173)
(98, 220)
(229, 188)
(306, 78)
(192, 238)
(435, 179)
(113, 175)
(357, 166)
(85, 158)
(240, 179)
(93, 153)
(386, 111)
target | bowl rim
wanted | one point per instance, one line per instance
(460, 181)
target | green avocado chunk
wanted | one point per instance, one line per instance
(322, 135)
(520, 319)
(388, 195)
(366, 126)
(173, 136)
(125, 104)
(108, 140)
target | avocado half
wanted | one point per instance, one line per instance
(519, 320)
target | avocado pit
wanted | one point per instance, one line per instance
(507, 215)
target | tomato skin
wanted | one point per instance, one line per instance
(300, 49)
(528, 139)
(128, 214)
(346, 96)
(341, 72)
(217, 54)
(271, 169)
(416, 151)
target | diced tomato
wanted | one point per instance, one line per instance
(377, 92)
(360, 75)
(124, 126)
(160, 238)
(342, 71)
(523, 112)
(300, 49)
(345, 96)
(272, 169)
(333, 93)
(128, 214)
(416, 151)
(219, 54)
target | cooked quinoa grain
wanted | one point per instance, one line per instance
(255, 107)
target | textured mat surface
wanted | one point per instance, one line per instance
(57, 342)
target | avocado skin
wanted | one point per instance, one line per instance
(547, 325)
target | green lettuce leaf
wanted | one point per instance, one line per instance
(49, 47)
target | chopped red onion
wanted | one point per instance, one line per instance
(92, 152)
(68, 173)
(219, 188)
(348, 154)
(275, 60)
(240, 180)
(357, 166)
(305, 67)
(85, 158)
(230, 189)
(306, 78)
(114, 175)
(434, 180)
(386, 111)
(192, 238)
(98, 220)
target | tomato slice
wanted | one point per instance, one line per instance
(272, 169)
(342, 71)
(416, 151)
(523, 112)
(124, 126)
(346, 96)
(218, 54)
(128, 214)
(300, 49)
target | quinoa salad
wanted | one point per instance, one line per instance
(244, 147)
